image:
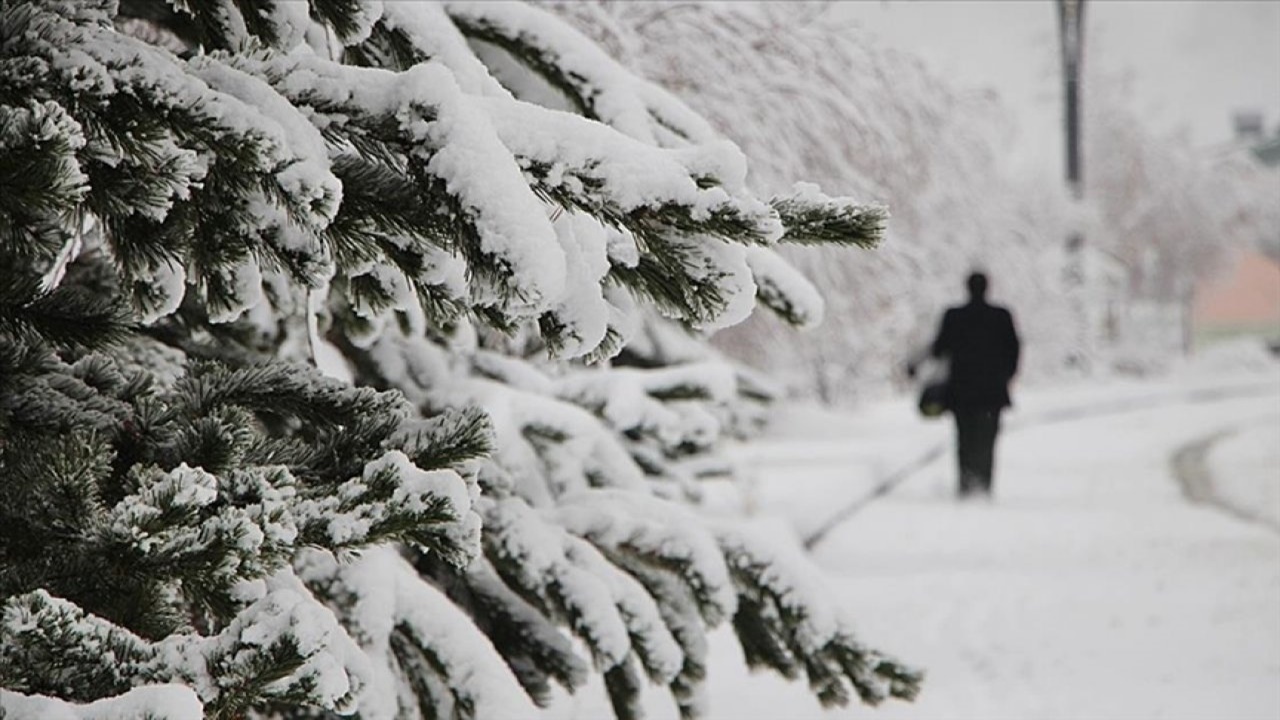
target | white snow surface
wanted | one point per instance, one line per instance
(1245, 468)
(635, 174)
(430, 29)
(391, 594)
(588, 448)
(1089, 588)
(483, 175)
(621, 99)
(309, 180)
(774, 276)
(583, 309)
(159, 702)
(618, 518)
(168, 281)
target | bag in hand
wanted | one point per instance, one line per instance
(933, 399)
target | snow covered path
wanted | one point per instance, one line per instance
(1090, 588)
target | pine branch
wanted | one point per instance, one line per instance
(624, 685)
(277, 650)
(549, 580)
(386, 47)
(783, 626)
(534, 648)
(65, 317)
(680, 613)
(50, 647)
(41, 182)
(393, 500)
(594, 85)
(447, 439)
(215, 26)
(387, 135)
(163, 518)
(586, 188)
(542, 60)
(811, 218)
(287, 391)
(785, 291)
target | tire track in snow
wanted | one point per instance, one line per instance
(1190, 465)
(1197, 396)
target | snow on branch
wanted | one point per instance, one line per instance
(661, 532)
(784, 289)
(651, 640)
(423, 119)
(533, 556)
(165, 701)
(598, 86)
(534, 647)
(191, 147)
(650, 401)
(425, 652)
(393, 499)
(283, 647)
(785, 622)
(572, 581)
(412, 33)
(633, 184)
(551, 447)
(812, 218)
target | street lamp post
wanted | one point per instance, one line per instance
(1071, 36)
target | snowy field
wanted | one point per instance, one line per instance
(1091, 587)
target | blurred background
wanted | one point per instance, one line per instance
(1127, 567)
(953, 114)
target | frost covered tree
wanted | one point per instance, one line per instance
(329, 374)
(1169, 216)
(1170, 212)
(858, 114)
(861, 114)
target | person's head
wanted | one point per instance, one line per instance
(977, 284)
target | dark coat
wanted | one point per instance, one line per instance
(981, 346)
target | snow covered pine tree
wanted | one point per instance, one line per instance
(296, 298)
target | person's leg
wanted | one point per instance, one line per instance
(965, 451)
(986, 427)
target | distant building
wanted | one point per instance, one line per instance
(1243, 302)
(1246, 299)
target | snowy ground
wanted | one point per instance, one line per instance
(1092, 587)
(1242, 455)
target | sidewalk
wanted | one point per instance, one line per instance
(816, 462)
(1090, 588)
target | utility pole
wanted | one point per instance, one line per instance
(1071, 36)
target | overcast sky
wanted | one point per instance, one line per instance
(1191, 63)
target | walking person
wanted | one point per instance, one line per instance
(981, 347)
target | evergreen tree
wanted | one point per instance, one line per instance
(329, 380)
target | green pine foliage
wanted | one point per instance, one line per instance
(339, 375)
